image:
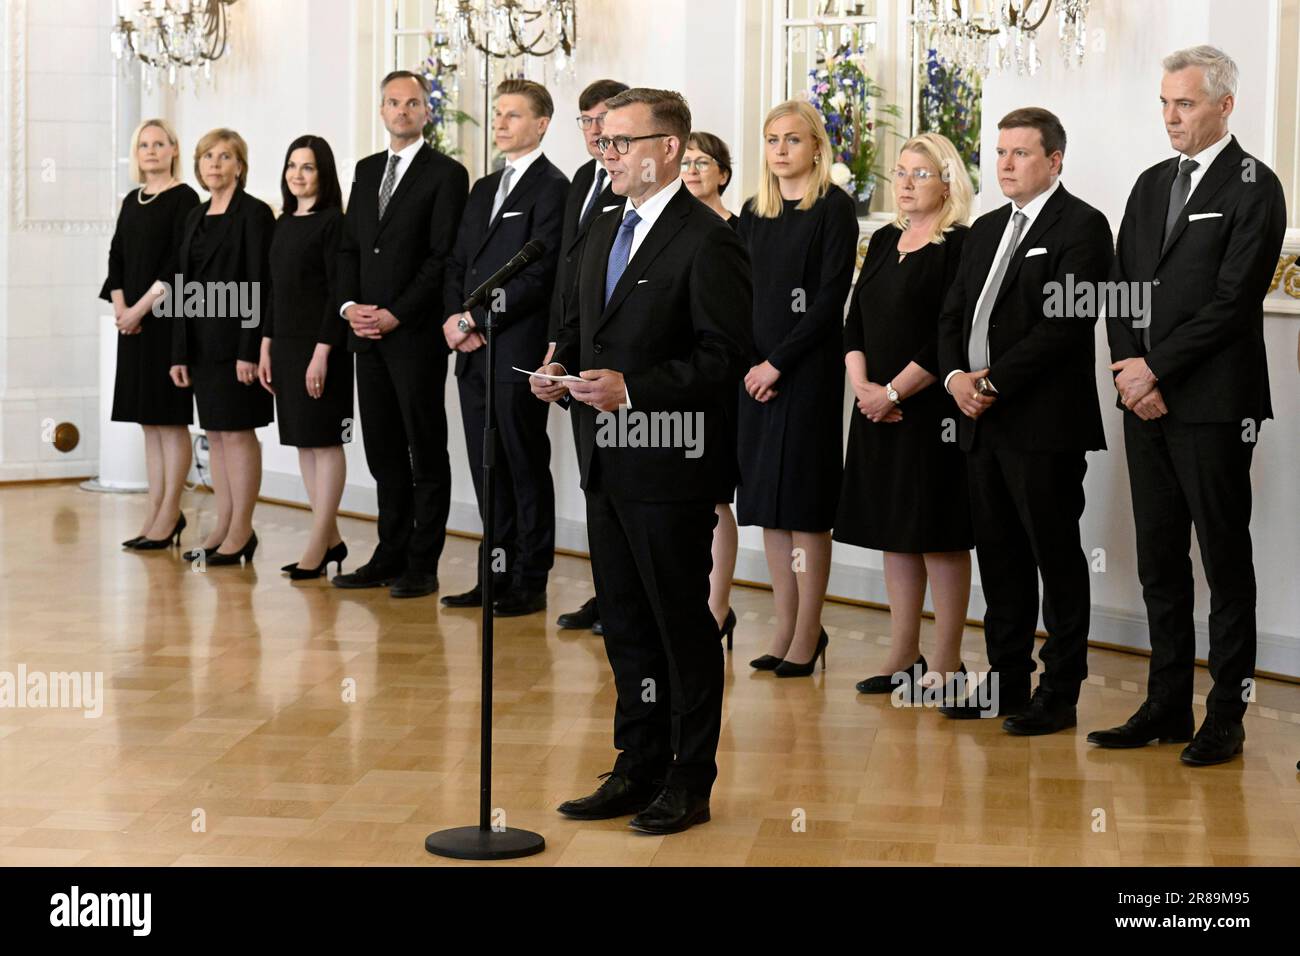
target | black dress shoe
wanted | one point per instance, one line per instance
(471, 598)
(1154, 720)
(369, 575)
(413, 584)
(885, 683)
(1047, 713)
(728, 629)
(981, 702)
(789, 669)
(580, 620)
(336, 554)
(618, 796)
(245, 553)
(673, 810)
(1218, 741)
(517, 602)
(160, 544)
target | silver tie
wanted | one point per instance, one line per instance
(503, 190)
(390, 180)
(978, 350)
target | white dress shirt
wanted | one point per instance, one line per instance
(649, 212)
(405, 155)
(520, 166)
(1030, 210)
(1204, 159)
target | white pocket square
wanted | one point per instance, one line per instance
(608, 208)
(507, 215)
(1039, 251)
(1204, 215)
(642, 281)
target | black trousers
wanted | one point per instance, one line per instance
(1025, 508)
(404, 428)
(1183, 475)
(524, 516)
(651, 561)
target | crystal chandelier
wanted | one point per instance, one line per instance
(172, 38)
(506, 29)
(1001, 33)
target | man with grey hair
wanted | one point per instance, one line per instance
(1203, 231)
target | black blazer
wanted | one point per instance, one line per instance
(677, 327)
(1044, 368)
(571, 239)
(237, 251)
(398, 262)
(1207, 288)
(533, 210)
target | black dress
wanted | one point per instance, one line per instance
(230, 248)
(142, 252)
(304, 263)
(904, 483)
(791, 447)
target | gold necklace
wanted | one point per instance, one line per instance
(145, 202)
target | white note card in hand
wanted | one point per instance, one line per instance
(552, 378)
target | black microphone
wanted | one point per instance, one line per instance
(531, 252)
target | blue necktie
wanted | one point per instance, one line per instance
(620, 254)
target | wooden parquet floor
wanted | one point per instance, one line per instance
(249, 721)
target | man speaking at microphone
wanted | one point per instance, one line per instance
(659, 322)
(523, 201)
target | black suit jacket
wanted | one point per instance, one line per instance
(237, 250)
(398, 262)
(533, 210)
(1207, 287)
(1043, 367)
(571, 239)
(678, 327)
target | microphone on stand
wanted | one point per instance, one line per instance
(531, 252)
(488, 841)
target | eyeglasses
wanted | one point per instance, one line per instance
(586, 121)
(699, 165)
(920, 175)
(623, 143)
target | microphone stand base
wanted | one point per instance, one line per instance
(474, 843)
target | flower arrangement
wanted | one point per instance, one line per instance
(843, 93)
(950, 104)
(443, 113)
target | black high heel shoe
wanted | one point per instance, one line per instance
(765, 663)
(172, 540)
(787, 669)
(195, 553)
(885, 683)
(218, 558)
(134, 541)
(335, 554)
(728, 627)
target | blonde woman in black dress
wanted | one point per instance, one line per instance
(904, 489)
(305, 363)
(802, 235)
(226, 241)
(141, 257)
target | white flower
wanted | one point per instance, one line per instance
(840, 174)
(838, 101)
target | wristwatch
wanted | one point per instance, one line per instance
(465, 325)
(892, 393)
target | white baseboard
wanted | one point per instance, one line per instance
(1276, 653)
